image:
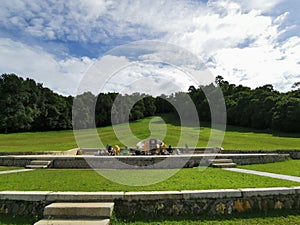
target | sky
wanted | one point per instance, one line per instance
(248, 42)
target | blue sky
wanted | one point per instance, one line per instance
(249, 42)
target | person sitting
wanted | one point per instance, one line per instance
(170, 150)
(117, 149)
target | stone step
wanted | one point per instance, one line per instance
(40, 162)
(73, 222)
(78, 210)
(221, 161)
(35, 167)
(223, 165)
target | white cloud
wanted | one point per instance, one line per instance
(149, 78)
(239, 39)
(259, 65)
(33, 62)
(261, 5)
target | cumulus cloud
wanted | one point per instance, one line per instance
(261, 5)
(241, 40)
(256, 66)
(31, 61)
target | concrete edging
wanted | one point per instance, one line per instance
(172, 203)
(146, 196)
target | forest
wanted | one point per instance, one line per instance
(28, 106)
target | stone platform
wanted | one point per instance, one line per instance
(138, 162)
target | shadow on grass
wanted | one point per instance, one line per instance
(18, 220)
(175, 120)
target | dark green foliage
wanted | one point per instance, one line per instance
(28, 106)
(260, 108)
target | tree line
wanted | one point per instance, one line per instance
(259, 108)
(28, 106)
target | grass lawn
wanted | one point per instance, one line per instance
(269, 218)
(235, 138)
(4, 168)
(24, 220)
(279, 218)
(289, 167)
(37, 141)
(90, 180)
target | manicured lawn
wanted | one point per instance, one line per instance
(90, 180)
(236, 137)
(269, 218)
(289, 167)
(259, 218)
(9, 220)
(37, 141)
(4, 168)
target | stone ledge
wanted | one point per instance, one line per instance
(84, 196)
(145, 196)
(152, 195)
(297, 189)
(212, 194)
(24, 195)
(254, 192)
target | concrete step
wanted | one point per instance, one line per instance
(40, 162)
(73, 222)
(223, 165)
(221, 161)
(79, 210)
(35, 167)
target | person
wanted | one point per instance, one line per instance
(170, 150)
(98, 153)
(160, 149)
(117, 150)
(108, 148)
(186, 148)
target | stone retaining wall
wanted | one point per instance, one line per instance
(138, 162)
(133, 204)
(294, 154)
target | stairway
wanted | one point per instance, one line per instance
(222, 163)
(38, 164)
(87, 213)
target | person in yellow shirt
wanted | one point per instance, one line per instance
(117, 149)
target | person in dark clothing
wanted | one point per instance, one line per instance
(170, 150)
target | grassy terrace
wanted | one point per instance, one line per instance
(289, 167)
(3, 168)
(235, 138)
(90, 180)
(268, 218)
(258, 218)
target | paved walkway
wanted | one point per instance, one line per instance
(15, 171)
(266, 174)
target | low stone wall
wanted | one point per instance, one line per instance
(133, 204)
(255, 158)
(138, 162)
(210, 202)
(294, 154)
(42, 153)
(22, 208)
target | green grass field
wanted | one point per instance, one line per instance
(186, 179)
(90, 180)
(268, 218)
(289, 167)
(282, 217)
(235, 138)
(4, 168)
